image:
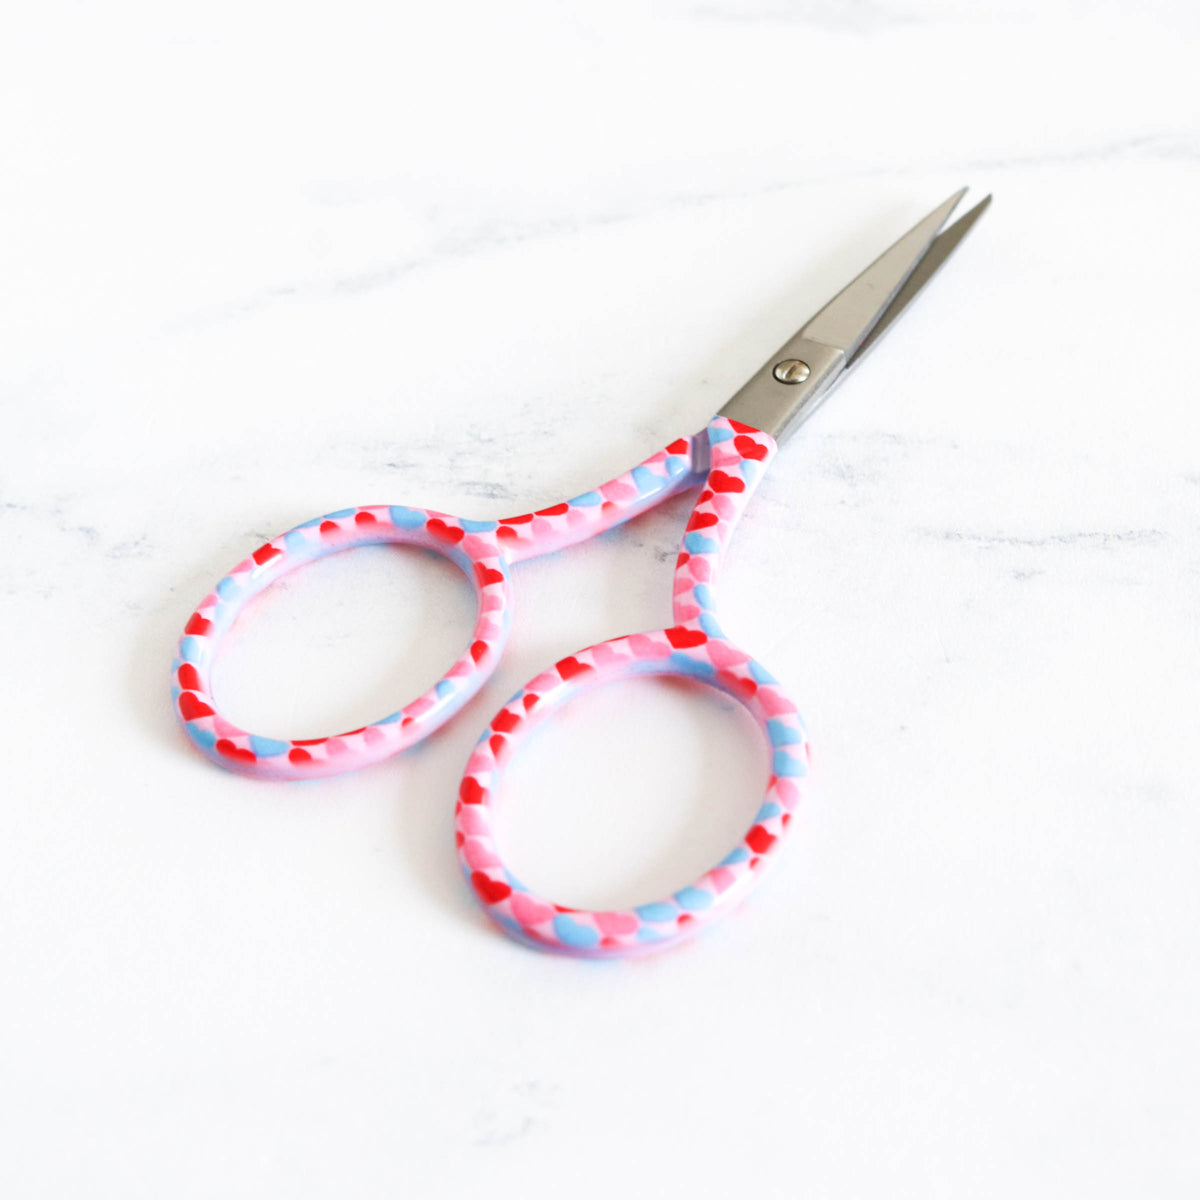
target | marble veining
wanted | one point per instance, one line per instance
(263, 262)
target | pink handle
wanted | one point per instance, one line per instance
(695, 647)
(472, 546)
(482, 550)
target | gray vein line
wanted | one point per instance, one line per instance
(1097, 538)
(488, 236)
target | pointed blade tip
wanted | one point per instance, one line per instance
(952, 202)
(939, 250)
(963, 223)
(972, 214)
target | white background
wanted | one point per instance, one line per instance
(264, 261)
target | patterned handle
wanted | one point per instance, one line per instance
(695, 647)
(483, 551)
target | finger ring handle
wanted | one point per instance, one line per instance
(734, 456)
(471, 545)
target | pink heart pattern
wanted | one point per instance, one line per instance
(696, 647)
(484, 550)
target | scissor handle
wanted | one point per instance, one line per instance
(694, 647)
(482, 550)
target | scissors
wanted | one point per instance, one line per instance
(725, 461)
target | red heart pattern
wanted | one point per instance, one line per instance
(694, 645)
(490, 891)
(444, 530)
(474, 549)
(747, 447)
(192, 708)
(471, 791)
(570, 666)
(505, 721)
(720, 481)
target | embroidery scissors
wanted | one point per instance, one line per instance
(725, 460)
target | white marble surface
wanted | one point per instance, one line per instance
(260, 262)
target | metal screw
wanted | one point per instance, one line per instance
(792, 370)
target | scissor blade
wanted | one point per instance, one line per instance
(939, 250)
(849, 317)
(795, 380)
